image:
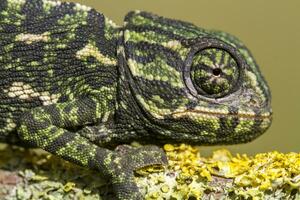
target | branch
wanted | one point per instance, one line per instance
(35, 174)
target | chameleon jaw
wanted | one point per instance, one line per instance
(225, 127)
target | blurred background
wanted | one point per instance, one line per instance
(270, 29)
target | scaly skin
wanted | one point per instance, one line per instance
(76, 85)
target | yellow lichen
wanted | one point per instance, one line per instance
(191, 174)
(69, 186)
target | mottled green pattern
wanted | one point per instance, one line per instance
(75, 84)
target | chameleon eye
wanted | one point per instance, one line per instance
(213, 68)
(214, 72)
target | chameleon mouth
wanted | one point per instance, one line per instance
(244, 115)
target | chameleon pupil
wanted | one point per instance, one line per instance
(217, 72)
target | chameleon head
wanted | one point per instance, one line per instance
(194, 85)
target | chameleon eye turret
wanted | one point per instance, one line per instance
(214, 78)
(213, 69)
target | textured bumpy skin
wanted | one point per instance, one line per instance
(76, 85)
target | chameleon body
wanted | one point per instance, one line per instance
(75, 84)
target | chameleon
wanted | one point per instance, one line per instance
(77, 85)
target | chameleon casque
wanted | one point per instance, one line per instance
(75, 84)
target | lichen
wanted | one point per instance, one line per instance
(189, 175)
(35, 174)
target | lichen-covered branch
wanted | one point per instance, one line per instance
(34, 174)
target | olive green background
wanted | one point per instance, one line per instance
(271, 30)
